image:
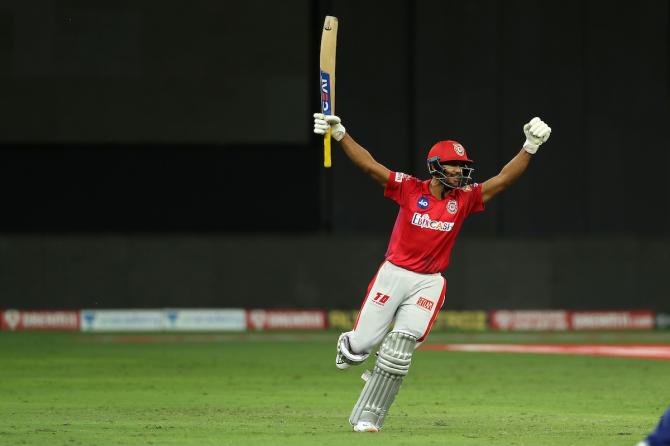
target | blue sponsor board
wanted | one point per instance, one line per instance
(164, 319)
(326, 108)
(213, 319)
(122, 320)
(662, 321)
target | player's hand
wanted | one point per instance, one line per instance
(537, 132)
(324, 122)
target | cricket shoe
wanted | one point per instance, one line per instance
(365, 426)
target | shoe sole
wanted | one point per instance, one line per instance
(367, 429)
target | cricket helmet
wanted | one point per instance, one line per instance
(443, 152)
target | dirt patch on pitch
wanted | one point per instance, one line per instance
(660, 352)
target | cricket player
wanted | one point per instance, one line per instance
(409, 287)
(661, 435)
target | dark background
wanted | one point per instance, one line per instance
(160, 153)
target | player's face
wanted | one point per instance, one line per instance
(453, 171)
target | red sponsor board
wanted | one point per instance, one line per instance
(571, 320)
(16, 320)
(529, 320)
(286, 319)
(613, 320)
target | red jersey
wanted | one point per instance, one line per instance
(426, 228)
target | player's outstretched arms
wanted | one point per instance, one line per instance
(356, 153)
(537, 132)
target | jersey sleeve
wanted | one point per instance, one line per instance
(399, 187)
(475, 202)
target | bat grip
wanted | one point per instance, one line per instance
(326, 149)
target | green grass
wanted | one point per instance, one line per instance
(79, 389)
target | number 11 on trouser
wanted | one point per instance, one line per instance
(327, 77)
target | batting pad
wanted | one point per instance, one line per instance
(393, 362)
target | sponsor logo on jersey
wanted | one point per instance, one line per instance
(422, 203)
(459, 149)
(381, 299)
(425, 303)
(424, 221)
(400, 177)
(452, 206)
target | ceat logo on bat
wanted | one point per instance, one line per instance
(325, 93)
(452, 206)
(422, 203)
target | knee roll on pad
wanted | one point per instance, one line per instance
(395, 354)
(393, 362)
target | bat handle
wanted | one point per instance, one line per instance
(326, 149)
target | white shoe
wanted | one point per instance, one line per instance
(365, 426)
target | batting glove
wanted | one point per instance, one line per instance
(537, 132)
(324, 122)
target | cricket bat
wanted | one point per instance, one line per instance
(327, 67)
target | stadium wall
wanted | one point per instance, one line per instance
(260, 319)
(316, 271)
(90, 141)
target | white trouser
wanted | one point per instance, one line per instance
(411, 298)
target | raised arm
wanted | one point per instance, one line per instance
(356, 153)
(537, 132)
